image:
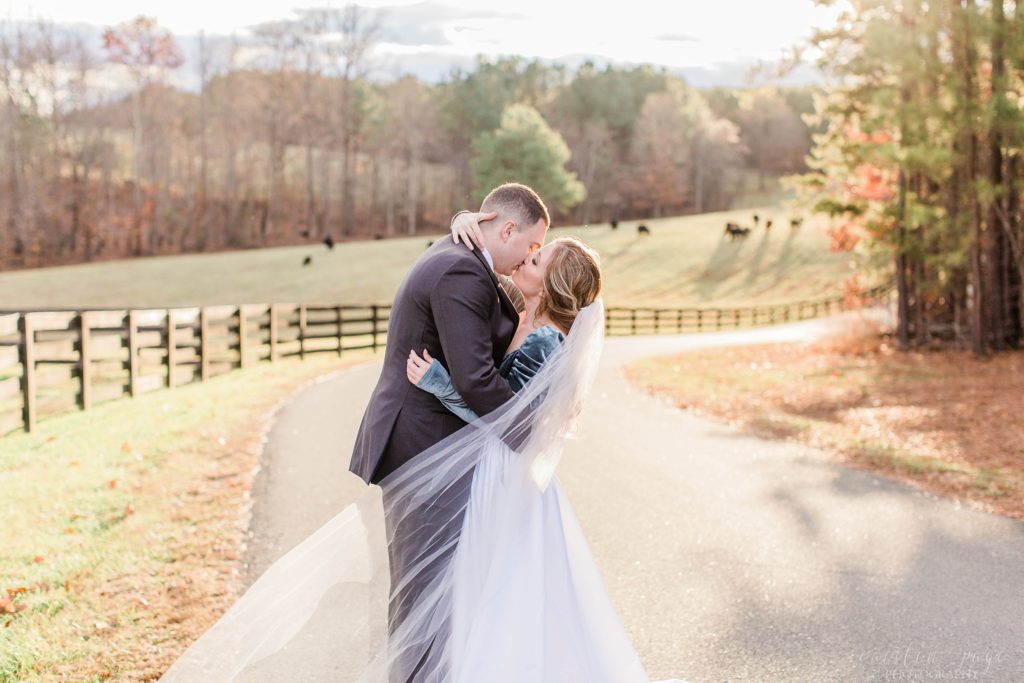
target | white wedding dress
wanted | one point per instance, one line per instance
(489, 578)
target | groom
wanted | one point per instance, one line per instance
(450, 303)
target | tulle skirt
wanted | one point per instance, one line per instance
(529, 605)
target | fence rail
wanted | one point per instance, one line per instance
(54, 361)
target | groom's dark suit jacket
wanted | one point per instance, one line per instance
(450, 304)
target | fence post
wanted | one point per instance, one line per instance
(679, 321)
(736, 317)
(337, 315)
(373, 327)
(133, 353)
(718, 318)
(243, 359)
(273, 332)
(633, 313)
(657, 320)
(700, 319)
(608, 322)
(302, 331)
(204, 344)
(85, 358)
(170, 348)
(28, 377)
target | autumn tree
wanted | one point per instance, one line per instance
(349, 34)
(918, 163)
(148, 51)
(775, 138)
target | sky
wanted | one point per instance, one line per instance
(711, 42)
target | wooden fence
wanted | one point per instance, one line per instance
(56, 361)
(632, 321)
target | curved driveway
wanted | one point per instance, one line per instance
(729, 557)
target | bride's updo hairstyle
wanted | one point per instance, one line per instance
(572, 281)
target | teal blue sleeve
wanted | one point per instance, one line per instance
(521, 365)
(437, 381)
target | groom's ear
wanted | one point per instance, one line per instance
(507, 228)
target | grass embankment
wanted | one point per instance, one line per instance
(685, 261)
(122, 526)
(943, 421)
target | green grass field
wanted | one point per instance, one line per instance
(123, 523)
(686, 261)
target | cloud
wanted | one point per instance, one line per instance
(424, 24)
(677, 38)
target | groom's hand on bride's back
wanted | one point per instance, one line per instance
(466, 227)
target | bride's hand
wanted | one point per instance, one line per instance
(466, 227)
(416, 367)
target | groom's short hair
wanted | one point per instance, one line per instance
(518, 202)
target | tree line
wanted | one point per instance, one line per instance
(920, 160)
(288, 138)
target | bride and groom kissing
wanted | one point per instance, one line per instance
(493, 343)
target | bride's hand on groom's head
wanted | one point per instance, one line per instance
(466, 228)
(416, 367)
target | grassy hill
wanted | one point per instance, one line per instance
(686, 261)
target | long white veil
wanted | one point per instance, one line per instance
(340, 607)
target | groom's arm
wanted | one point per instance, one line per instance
(462, 303)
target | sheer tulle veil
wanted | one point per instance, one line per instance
(321, 612)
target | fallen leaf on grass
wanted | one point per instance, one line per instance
(8, 606)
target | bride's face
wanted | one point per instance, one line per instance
(529, 277)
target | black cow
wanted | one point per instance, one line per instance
(733, 231)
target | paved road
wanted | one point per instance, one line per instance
(729, 557)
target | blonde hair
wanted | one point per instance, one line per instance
(572, 281)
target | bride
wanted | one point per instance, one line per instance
(506, 590)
